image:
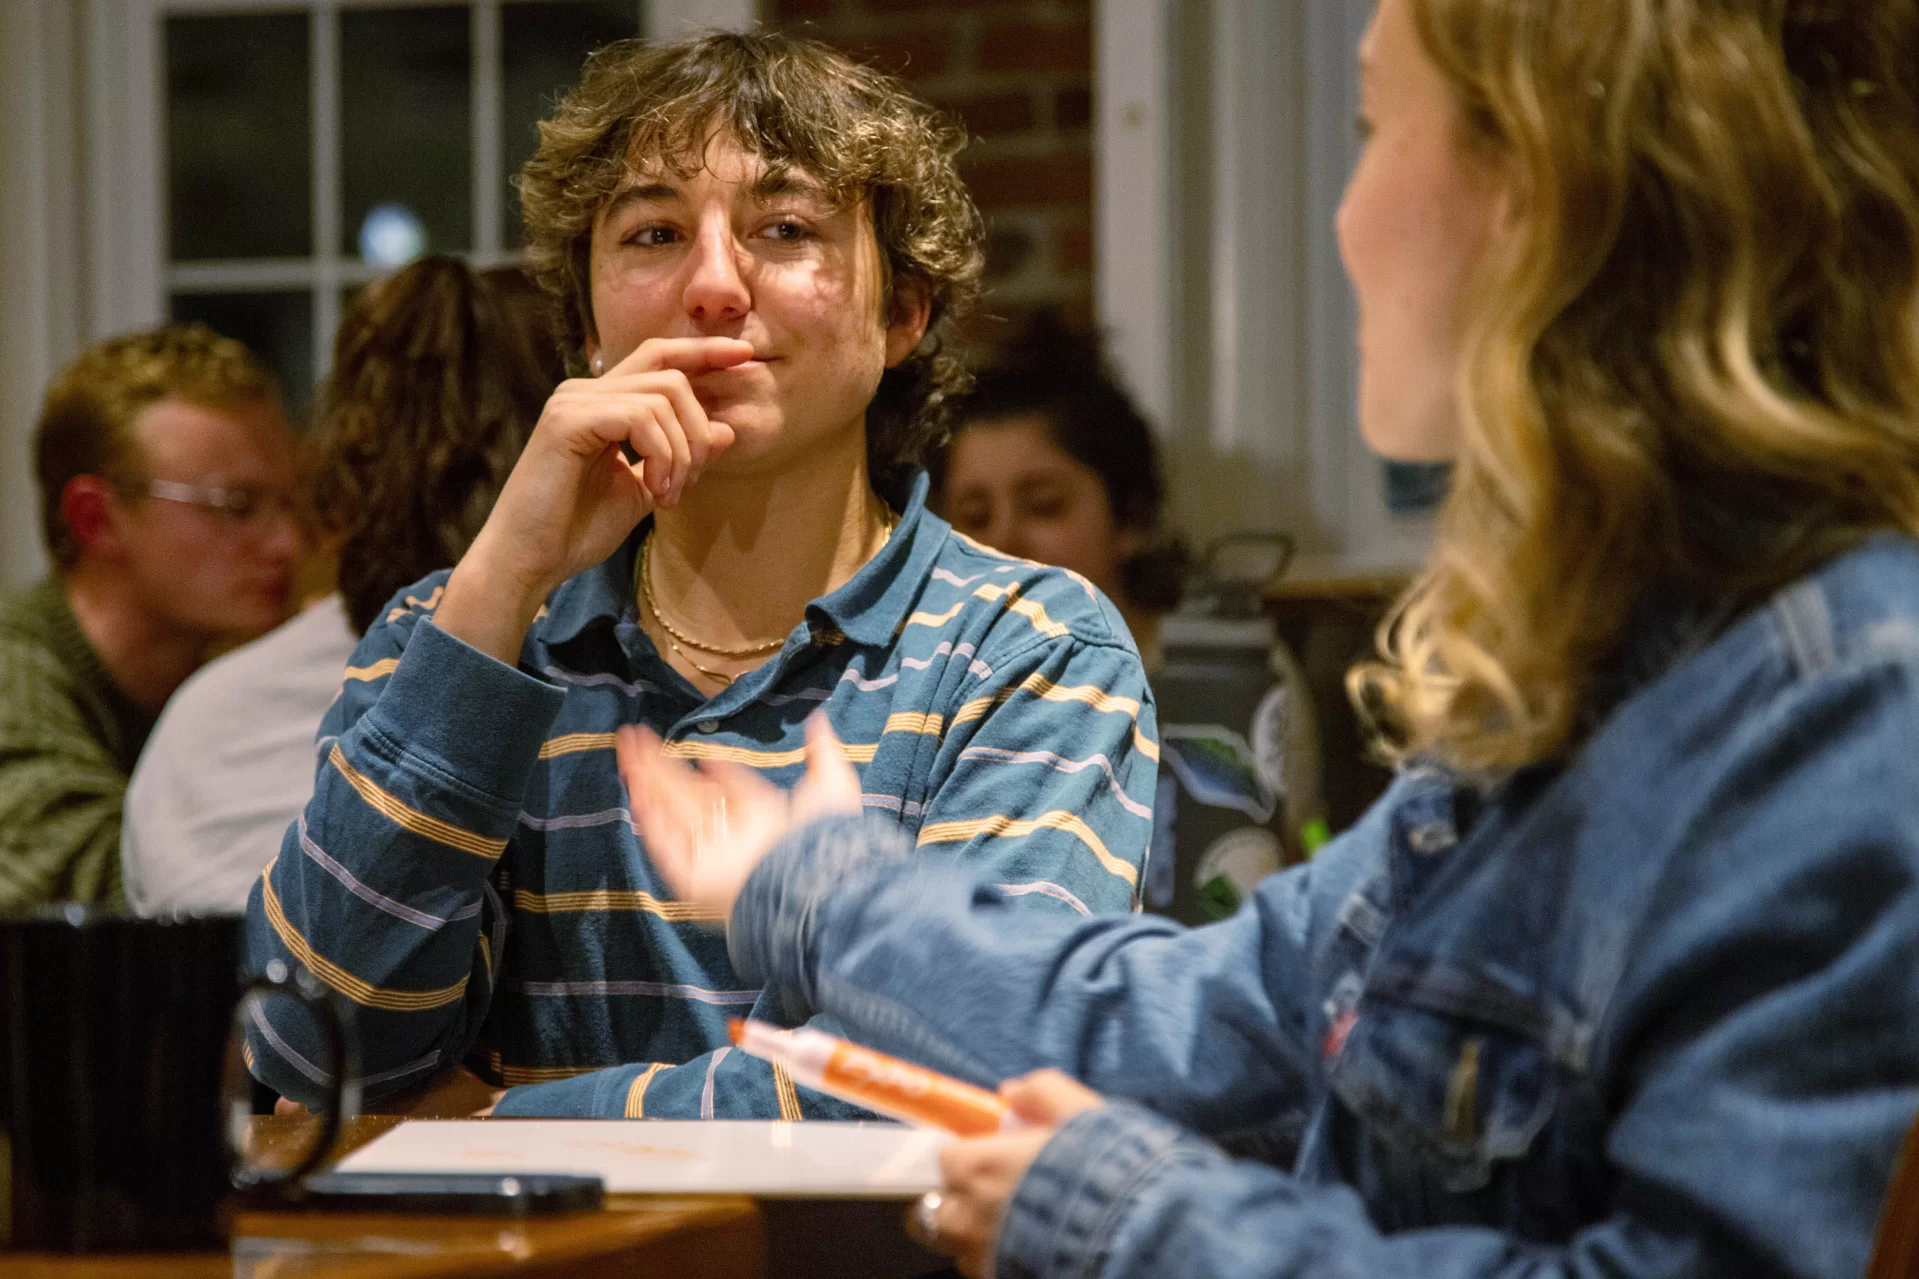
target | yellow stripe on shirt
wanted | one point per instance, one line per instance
(926, 723)
(789, 1096)
(1040, 686)
(379, 670)
(857, 752)
(428, 604)
(519, 1076)
(1032, 610)
(413, 819)
(575, 743)
(609, 899)
(1088, 694)
(1001, 826)
(360, 992)
(636, 1091)
(935, 619)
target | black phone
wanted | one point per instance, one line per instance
(466, 1193)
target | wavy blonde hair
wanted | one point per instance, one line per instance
(1693, 364)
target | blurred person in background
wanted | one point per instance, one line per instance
(1051, 461)
(165, 468)
(439, 373)
(1620, 977)
(719, 525)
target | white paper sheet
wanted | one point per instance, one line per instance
(768, 1158)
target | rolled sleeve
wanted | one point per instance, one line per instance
(382, 888)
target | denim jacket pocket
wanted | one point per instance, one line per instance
(1456, 1071)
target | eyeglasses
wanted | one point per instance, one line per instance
(244, 506)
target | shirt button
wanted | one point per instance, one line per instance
(708, 726)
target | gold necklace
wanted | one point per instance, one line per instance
(675, 638)
(646, 589)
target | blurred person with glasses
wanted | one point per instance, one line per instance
(165, 469)
(439, 373)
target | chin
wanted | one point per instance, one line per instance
(1404, 432)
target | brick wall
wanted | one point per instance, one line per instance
(1019, 73)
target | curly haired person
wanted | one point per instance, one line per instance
(717, 528)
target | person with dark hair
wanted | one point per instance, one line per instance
(165, 469)
(759, 248)
(439, 373)
(1050, 460)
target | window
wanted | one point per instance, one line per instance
(1225, 140)
(309, 148)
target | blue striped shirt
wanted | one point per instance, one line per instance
(467, 873)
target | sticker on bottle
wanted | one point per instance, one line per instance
(1216, 766)
(1272, 731)
(1231, 868)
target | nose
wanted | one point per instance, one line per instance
(281, 538)
(716, 291)
(1003, 533)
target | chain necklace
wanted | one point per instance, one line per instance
(676, 638)
(674, 632)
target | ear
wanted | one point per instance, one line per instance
(92, 512)
(906, 324)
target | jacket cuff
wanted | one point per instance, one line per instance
(1070, 1204)
(771, 931)
(472, 717)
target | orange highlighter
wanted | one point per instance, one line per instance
(876, 1081)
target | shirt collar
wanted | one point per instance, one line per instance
(874, 602)
(868, 609)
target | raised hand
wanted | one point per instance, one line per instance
(573, 497)
(706, 829)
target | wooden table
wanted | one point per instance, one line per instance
(700, 1237)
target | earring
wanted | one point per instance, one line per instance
(599, 365)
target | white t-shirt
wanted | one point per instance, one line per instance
(230, 765)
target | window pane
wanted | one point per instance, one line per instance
(239, 137)
(541, 49)
(406, 130)
(277, 327)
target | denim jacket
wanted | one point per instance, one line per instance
(1652, 1010)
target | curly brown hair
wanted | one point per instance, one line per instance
(439, 375)
(86, 425)
(795, 104)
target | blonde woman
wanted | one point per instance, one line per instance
(1621, 977)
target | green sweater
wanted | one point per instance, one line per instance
(68, 740)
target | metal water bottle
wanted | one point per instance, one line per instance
(1238, 759)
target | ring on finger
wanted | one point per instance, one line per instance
(926, 1215)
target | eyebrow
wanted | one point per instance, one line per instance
(774, 185)
(768, 188)
(644, 193)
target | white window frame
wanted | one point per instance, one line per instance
(1269, 388)
(127, 159)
